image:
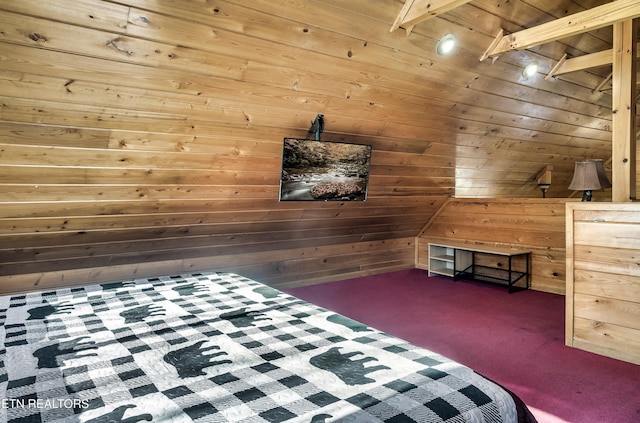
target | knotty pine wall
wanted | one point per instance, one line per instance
(138, 204)
(141, 137)
(534, 224)
(603, 280)
(125, 151)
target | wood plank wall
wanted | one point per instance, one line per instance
(77, 215)
(533, 224)
(136, 142)
(142, 137)
(603, 279)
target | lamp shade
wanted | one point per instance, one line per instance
(589, 175)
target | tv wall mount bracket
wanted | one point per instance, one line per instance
(317, 126)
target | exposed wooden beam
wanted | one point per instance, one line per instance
(623, 163)
(578, 23)
(601, 58)
(400, 19)
(493, 45)
(554, 71)
(416, 11)
(603, 83)
(587, 61)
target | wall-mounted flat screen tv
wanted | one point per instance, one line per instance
(315, 170)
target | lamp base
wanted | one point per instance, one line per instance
(586, 195)
(544, 188)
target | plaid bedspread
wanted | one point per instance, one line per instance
(217, 347)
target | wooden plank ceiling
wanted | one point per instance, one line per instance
(133, 130)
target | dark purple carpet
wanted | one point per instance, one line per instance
(515, 339)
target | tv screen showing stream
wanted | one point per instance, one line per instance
(315, 170)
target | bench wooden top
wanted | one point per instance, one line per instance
(480, 248)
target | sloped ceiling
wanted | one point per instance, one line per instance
(569, 61)
(493, 128)
(141, 131)
(524, 122)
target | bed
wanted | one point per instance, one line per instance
(218, 347)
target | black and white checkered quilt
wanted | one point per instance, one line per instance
(217, 347)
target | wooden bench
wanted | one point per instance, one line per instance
(458, 260)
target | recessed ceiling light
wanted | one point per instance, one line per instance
(530, 70)
(446, 44)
